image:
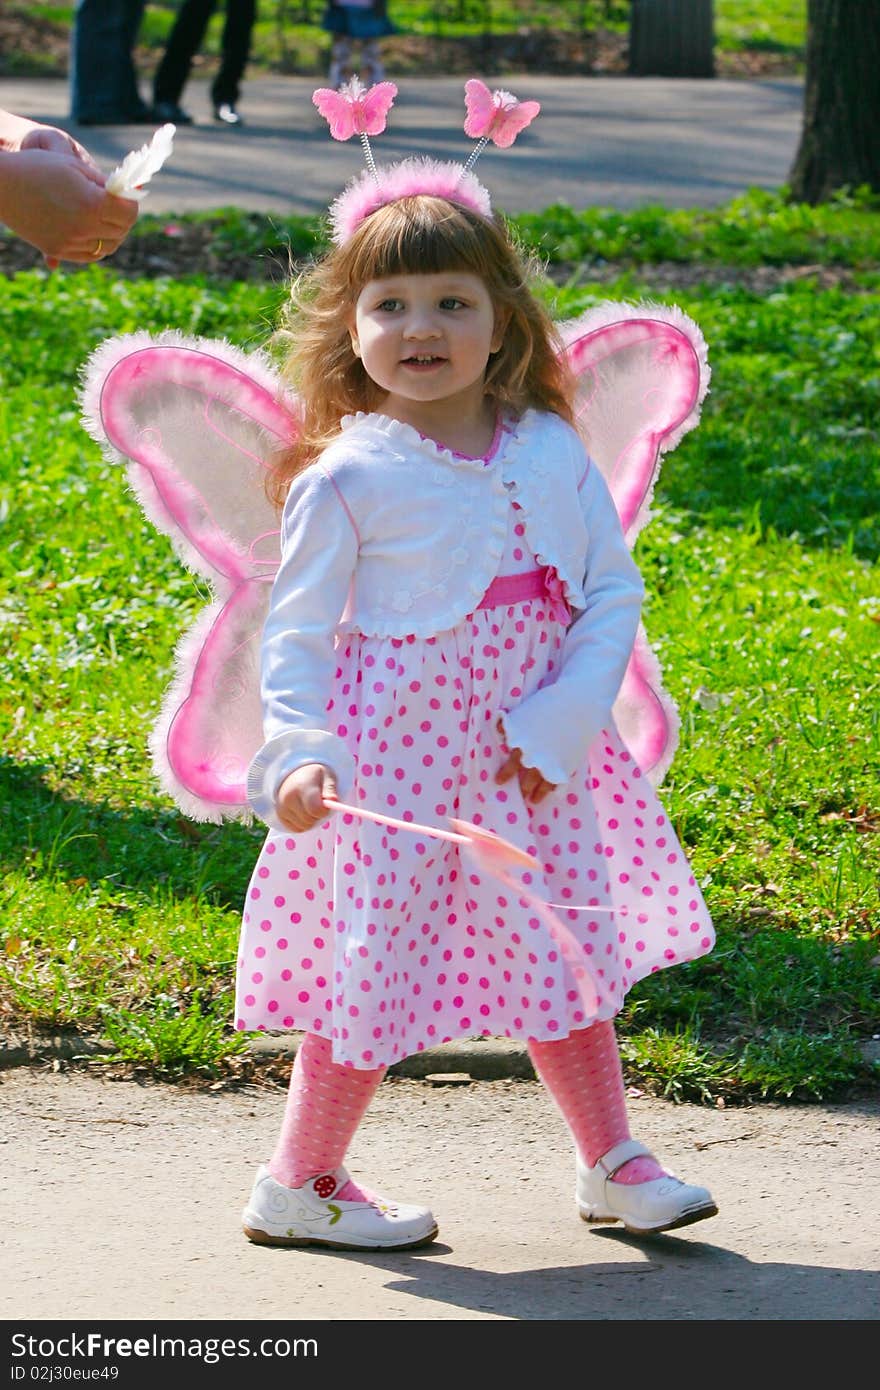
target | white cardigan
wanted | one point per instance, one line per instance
(394, 535)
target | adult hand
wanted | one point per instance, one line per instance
(52, 194)
(532, 784)
(56, 141)
(57, 203)
(300, 798)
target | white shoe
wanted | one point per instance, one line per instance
(308, 1215)
(660, 1204)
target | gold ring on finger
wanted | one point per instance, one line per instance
(98, 249)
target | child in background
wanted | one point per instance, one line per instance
(448, 630)
(352, 22)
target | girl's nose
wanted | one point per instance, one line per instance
(421, 324)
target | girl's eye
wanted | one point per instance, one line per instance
(451, 302)
(388, 306)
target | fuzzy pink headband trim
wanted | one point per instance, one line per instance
(419, 174)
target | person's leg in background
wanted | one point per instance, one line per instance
(184, 42)
(236, 46)
(374, 70)
(103, 81)
(340, 56)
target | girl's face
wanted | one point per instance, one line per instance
(426, 339)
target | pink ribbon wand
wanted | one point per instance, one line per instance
(496, 855)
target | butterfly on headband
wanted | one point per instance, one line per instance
(496, 116)
(355, 109)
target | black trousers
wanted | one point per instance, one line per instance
(185, 40)
(103, 81)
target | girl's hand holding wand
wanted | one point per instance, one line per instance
(533, 786)
(303, 795)
(300, 798)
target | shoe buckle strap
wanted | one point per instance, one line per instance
(612, 1161)
(338, 1176)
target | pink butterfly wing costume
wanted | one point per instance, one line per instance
(390, 942)
(196, 422)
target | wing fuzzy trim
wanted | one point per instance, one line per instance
(256, 370)
(209, 722)
(610, 315)
(642, 373)
(197, 805)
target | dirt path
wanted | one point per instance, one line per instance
(122, 1201)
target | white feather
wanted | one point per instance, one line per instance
(128, 178)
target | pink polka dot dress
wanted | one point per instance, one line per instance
(389, 942)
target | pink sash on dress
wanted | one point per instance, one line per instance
(515, 588)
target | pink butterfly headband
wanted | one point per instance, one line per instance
(356, 110)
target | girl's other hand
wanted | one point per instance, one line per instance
(532, 784)
(300, 798)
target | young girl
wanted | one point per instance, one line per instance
(448, 630)
(351, 22)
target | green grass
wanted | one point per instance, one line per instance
(120, 917)
(759, 228)
(778, 26)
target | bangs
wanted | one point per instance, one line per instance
(423, 235)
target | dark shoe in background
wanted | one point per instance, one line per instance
(170, 111)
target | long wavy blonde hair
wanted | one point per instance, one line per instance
(420, 234)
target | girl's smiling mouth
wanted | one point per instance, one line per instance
(421, 361)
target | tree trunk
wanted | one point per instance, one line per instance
(671, 38)
(840, 138)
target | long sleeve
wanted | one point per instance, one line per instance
(555, 726)
(319, 549)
